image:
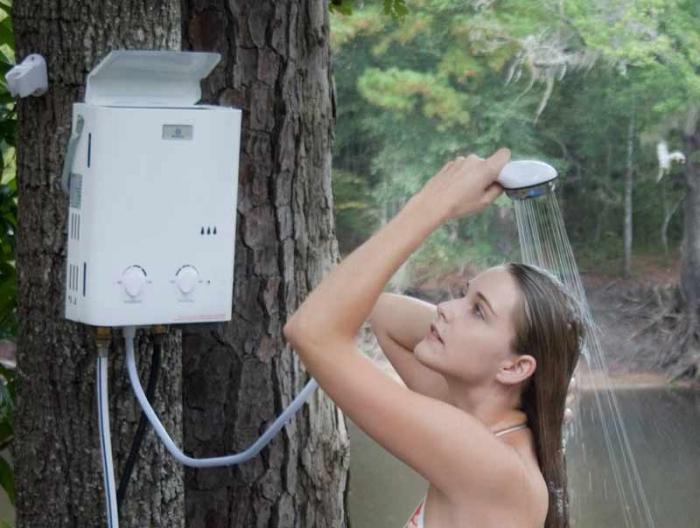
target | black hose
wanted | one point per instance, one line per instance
(141, 429)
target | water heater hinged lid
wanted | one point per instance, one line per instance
(149, 78)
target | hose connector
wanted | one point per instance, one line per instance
(159, 329)
(103, 337)
(159, 332)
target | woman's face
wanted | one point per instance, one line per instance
(475, 330)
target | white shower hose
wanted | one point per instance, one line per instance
(105, 438)
(105, 442)
(250, 452)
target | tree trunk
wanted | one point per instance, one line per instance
(57, 455)
(629, 187)
(241, 375)
(690, 249)
(669, 211)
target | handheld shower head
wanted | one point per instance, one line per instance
(524, 179)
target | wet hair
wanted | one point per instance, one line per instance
(550, 326)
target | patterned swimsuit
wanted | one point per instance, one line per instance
(417, 519)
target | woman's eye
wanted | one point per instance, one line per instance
(477, 310)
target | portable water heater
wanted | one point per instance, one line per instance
(152, 181)
(152, 184)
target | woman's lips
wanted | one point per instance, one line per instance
(434, 333)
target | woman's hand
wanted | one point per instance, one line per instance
(466, 185)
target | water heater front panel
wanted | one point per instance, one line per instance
(158, 214)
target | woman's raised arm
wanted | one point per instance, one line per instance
(400, 322)
(449, 447)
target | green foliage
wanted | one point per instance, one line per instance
(399, 90)
(8, 229)
(558, 82)
(393, 8)
(8, 185)
(355, 209)
(417, 100)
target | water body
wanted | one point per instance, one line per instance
(663, 426)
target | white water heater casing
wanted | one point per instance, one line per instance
(153, 194)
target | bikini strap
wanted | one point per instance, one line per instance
(511, 429)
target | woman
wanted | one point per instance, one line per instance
(481, 414)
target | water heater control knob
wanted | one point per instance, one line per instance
(134, 279)
(186, 279)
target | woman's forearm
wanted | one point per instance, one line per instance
(343, 300)
(403, 318)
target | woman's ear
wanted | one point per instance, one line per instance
(517, 369)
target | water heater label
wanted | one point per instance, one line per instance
(177, 131)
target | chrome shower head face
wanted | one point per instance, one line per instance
(531, 192)
(523, 179)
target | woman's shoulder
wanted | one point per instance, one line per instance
(522, 502)
(525, 495)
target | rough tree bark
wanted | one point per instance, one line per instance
(239, 376)
(57, 462)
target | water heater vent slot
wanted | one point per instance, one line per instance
(76, 189)
(74, 226)
(73, 272)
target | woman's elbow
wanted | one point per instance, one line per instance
(290, 332)
(297, 333)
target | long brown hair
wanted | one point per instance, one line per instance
(550, 327)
